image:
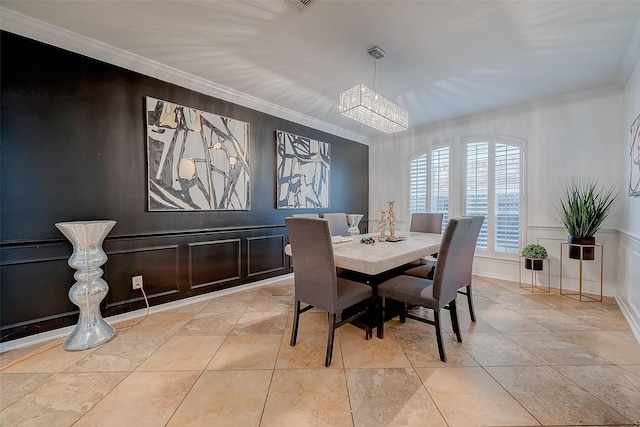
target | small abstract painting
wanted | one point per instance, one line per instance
(303, 168)
(196, 160)
(634, 156)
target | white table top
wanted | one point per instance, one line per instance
(383, 256)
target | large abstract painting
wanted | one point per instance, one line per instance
(303, 167)
(634, 155)
(196, 160)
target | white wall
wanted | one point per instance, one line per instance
(629, 251)
(573, 135)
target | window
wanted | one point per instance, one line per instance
(493, 189)
(435, 177)
(489, 183)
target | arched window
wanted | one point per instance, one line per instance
(489, 182)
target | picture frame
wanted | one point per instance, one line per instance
(196, 160)
(303, 168)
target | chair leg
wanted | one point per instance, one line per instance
(332, 331)
(405, 308)
(454, 319)
(436, 322)
(470, 301)
(381, 319)
(368, 332)
(294, 331)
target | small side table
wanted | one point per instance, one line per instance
(581, 296)
(534, 283)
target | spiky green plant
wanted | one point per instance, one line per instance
(534, 251)
(585, 206)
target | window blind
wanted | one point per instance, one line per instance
(439, 183)
(477, 191)
(507, 198)
(418, 185)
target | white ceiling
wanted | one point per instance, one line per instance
(445, 59)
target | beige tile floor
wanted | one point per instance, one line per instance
(529, 360)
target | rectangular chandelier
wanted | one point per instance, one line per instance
(364, 105)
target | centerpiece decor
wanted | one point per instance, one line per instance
(584, 206)
(534, 255)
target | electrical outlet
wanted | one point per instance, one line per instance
(136, 282)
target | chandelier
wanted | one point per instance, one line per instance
(366, 106)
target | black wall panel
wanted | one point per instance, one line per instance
(265, 254)
(214, 262)
(73, 148)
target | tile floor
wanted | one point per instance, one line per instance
(529, 360)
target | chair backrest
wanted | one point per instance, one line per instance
(315, 279)
(306, 215)
(470, 248)
(448, 274)
(426, 222)
(337, 223)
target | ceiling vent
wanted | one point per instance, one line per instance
(300, 4)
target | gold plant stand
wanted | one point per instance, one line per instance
(581, 296)
(534, 287)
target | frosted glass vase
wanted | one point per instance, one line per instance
(86, 238)
(353, 220)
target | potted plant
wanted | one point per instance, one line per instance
(584, 207)
(533, 255)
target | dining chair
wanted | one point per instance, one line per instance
(315, 279)
(337, 223)
(466, 263)
(433, 294)
(310, 215)
(426, 222)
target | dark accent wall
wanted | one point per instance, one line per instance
(73, 148)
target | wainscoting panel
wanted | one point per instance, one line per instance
(214, 262)
(629, 280)
(34, 291)
(265, 254)
(158, 266)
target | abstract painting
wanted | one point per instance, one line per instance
(634, 155)
(303, 167)
(196, 160)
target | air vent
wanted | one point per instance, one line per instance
(300, 4)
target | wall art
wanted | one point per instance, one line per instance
(303, 168)
(634, 156)
(196, 160)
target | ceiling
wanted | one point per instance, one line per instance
(445, 59)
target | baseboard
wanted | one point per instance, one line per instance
(632, 314)
(57, 333)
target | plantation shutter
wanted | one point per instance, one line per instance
(439, 184)
(507, 198)
(477, 191)
(418, 185)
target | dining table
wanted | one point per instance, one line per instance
(377, 258)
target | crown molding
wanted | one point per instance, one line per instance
(25, 26)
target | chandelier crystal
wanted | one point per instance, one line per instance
(366, 106)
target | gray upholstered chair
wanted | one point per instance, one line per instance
(466, 263)
(306, 215)
(315, 279)
(426, 222)
(337, 223)
(433, 294)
